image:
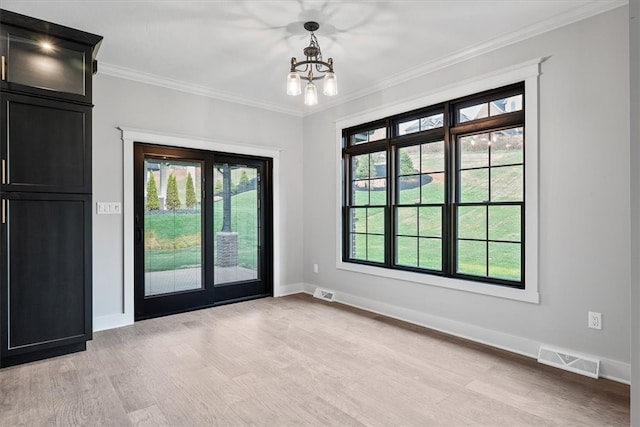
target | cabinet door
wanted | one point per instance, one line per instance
(46, 272)
(38, 63)
(46, 145)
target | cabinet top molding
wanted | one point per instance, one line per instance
(51, 29)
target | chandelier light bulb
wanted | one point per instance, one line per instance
(294, 87)
(330, 87)
(310, 94)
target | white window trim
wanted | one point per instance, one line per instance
(131, 136)
(527, 72)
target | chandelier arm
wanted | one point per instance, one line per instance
(328, 66)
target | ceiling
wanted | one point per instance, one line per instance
(240, 50)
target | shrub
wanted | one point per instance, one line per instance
(173, 200)
(153, 202)
(191, 200)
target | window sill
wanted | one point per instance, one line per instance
(524, 295)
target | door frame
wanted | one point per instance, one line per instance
(131, 135)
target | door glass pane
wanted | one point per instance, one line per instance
(45, 65)
(236, 200)
(172, 226)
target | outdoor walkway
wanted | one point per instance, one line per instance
(161, 282)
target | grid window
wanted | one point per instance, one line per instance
(440, 190)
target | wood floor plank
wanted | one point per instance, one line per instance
(298, 361)
(148, 417)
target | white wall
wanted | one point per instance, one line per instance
(583, 211)
(120, 102)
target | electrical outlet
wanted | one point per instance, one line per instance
(315, 268)
(595, 320)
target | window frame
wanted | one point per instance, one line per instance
(528, 73)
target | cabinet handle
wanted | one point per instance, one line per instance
(4, 205)
(4, 68)
(4, 169)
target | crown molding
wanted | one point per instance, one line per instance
(165, 82)
(460, 56)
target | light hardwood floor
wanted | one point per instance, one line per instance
(297, 361)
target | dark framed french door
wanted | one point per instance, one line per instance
(204, 229)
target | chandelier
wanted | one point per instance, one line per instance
(305, 70)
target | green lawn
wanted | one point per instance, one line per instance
(173, 240)
(419, 228)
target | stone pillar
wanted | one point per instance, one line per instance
(227, 249)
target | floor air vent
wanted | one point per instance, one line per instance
(569, 362)
(325, 294)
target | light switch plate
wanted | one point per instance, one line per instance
(108, 208)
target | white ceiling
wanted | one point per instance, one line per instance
(240, 50)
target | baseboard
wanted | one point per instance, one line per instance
(609, 369)
(290, 289)
(111, 321)
(118, 320)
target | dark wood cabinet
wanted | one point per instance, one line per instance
(47, 145)
(45, 188)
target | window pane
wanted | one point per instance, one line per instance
(375, 220)
(368, 136)
(505, 261)
(375, 248)
(407, 221)
(359, 138)
(432, 157)
(432, 122)
(431, 254)
(506, 184)
(430, 222)
(359, 246)
(173, 224)
(472, 257)
(409, 160)
(407, 251)
(409, 189)
(504, 223)
(360, 192)
(472, 222)
(406, 128)
(378, 165)
(505, 105)
(473, 112)
(474, 186)
(474, 151)
(433, 188)
(377, 134)
(378, 194)
(360, 166)
(424, 123)
(507, 147)
(359, 220)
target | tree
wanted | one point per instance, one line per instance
(173, 200)
(365, 169)
(406, 164)
(244, 181)
(217, 189)
(191, 200)
(153, 202)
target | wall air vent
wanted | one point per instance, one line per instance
(325, 294)
(569, 362)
